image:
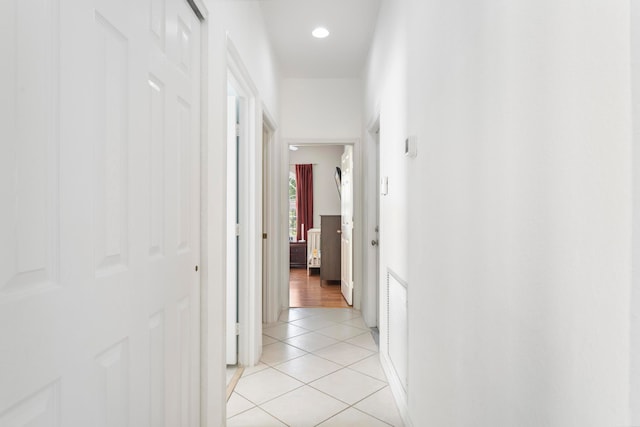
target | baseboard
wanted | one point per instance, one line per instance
(396, 389)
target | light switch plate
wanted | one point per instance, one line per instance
(411, 146)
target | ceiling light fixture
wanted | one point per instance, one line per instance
(320, 33)
(293, 148)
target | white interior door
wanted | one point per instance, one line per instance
(346, 205)
(266, 146)
(232, 221)
(100, 218)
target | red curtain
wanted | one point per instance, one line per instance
(304, 199)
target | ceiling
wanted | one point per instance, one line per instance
(341, 55)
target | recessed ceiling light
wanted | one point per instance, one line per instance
(293, 148)
(320, 33)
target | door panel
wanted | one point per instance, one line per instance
(346, 203)
(99, 226)
(232, 237)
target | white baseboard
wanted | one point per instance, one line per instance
(396, 389)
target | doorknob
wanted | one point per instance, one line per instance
(339, 231)
(374, 242)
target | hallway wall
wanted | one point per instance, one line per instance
(518, 205)
(321, 108)
(242, 23)
(635, 289)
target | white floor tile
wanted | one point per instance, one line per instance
(271, 325)
(353, 418)
(382, 405)
(265, 385)
(266, 340)
(339, 314)
(313, 323)
(357, 322)
(304, 407)
(250, 370)
(370, 366)
(340, 331)
(311, 341)
(279, 352)
(343, 353)
(348, 386)
(308, 368)
(338, 361)
(253, 418)
(237, 404)
(296, 313)
(284, 331)
(365, 341)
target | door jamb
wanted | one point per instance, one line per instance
(270, 297)
(212, 409)
(370, 299)
(250, 288)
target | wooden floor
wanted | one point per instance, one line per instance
(308, 291)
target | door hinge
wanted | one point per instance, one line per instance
(237, 229)
(237, 328)
(237, 130)
(264, 235)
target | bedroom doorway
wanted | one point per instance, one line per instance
(316, 275)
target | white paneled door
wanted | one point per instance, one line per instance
(99, 218)
(346, 235)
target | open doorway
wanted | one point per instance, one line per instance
(244, 215)
(320, 221)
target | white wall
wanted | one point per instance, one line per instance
(321, 108)
(635, 289)
(242, 23)
(518, 205)
(326, 200)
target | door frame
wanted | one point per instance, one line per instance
(250, 239)
(270, 300)
(283, 241)
(212, 260)
(371, 300)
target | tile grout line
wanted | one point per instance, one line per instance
(306, 353)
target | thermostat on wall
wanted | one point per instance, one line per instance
(411, 146)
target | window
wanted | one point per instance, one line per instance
(293, 214)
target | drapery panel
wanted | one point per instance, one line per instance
(304, 199)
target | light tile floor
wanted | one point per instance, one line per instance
(319, 367)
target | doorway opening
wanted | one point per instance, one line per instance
(244, 215)
(320, 225)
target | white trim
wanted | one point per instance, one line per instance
(327, 141)
(396, 389)
(271, 298)
(270, 122)
(374, 120)
(371, 198)
(250, 292)
(213, 257)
